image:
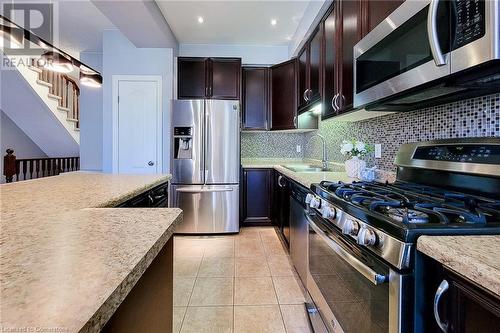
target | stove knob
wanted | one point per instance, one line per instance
(328, 212)
(350, 227)
(315, 202)
(309, 197)
(367, 237)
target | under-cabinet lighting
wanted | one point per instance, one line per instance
(56, 62)
(317, 109)
(91, 80)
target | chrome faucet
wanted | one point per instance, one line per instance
(324, 161)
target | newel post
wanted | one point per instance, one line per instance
(9, 165)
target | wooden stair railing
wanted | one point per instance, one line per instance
(65, 87)
(31, 168)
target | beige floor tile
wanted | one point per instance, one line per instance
(274, 249)
(212, 291)
(280, 266)
(254, 291)
(188, 247)
(216, 267)
(258, 319)
(251, 267)
(213, 319)
(183, 287)
(269, 235)
(295, 319)
(289, 290)
(179, 312)
(221, 251)
(187, 266)
(248, 248)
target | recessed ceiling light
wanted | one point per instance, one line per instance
(273, 21)
(200, 19)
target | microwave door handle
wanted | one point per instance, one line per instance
(364, 270)
(432, 34)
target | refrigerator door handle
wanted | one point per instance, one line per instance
(203, 190)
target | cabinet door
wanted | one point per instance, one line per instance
(225, 78)
(330, 86)
(315, 47)
(191, 78)
(471, 309)
(375, 12)
(256, 196)
(350, 14)
(255, 98)
(283, 96)
(303, 76)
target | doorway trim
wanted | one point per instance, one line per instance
(159, 116)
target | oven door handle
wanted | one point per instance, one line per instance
(364, 270)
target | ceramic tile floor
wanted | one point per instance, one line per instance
(236, 283)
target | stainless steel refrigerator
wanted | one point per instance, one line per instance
(205, 165)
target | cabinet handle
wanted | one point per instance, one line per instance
(295, 121)
(206, 92)
(280, 178)
(335, 106)
(309, 93)
(305, 95)
(443, 287)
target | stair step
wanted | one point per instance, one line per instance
(61, 108)
(43, 83)
(72, 120)
(35, 69)
(55, 97)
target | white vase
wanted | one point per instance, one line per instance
(354, 167)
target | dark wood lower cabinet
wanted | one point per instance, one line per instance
(256, 202)
(281, 204)
(470, 308)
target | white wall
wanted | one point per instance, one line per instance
(121, 57)
(13, 137)
(249, 54)
(91, 118)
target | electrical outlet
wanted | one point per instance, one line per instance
(299, 148)
(378, 150)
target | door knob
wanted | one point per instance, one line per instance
(151, 163)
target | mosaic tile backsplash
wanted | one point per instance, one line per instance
(478, 117)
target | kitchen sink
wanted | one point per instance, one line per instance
(305, 168)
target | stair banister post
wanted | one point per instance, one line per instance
(9, 165)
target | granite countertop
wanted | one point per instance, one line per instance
(303, 178)
(474, 257)
(67, 263)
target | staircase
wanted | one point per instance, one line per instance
(45, 105)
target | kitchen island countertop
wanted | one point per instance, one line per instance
(68, 259)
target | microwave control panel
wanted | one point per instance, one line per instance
(470, 21)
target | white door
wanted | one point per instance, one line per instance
(139, 136)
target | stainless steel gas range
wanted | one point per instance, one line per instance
(362, 236)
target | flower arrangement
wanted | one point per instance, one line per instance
(355, 148)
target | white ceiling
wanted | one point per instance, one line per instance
(80, 26)
(233, 22)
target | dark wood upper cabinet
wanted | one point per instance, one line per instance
(225, 78)
(218, 78)
(303, 75)
(315, 49)
(255, 99)
(375, 12)
(192, 77)
(257, 197)
(284, 95)
(329, 86)
(350, 35)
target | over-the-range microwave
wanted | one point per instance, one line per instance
(429, 52)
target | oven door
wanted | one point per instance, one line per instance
(352, 289)
(411, 47)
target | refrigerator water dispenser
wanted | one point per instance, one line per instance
(183, 143)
